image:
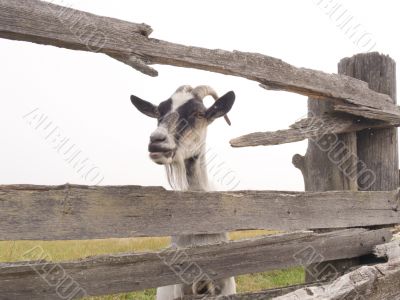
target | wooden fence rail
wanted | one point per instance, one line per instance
(86, 212)
(308, 128)
(372, 282)
(261, 295)
(45, 23)
(128, 272)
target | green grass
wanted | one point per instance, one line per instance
(11, 251)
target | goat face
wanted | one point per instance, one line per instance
(182, 123)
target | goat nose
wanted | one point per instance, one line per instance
(157, 138)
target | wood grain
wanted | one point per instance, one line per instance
(378, 282)
(390, 251)
(307, 128)
(87, 212)
(261, 295)
(377, 148)
(329, 164)
(375, 282)
(40, 22)
(129, 272)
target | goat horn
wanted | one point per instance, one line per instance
(184, 88)
(203, 91)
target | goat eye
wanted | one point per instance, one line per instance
(198, 115)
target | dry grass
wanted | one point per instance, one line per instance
(68, 250)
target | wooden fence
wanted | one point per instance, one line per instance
(348, 217)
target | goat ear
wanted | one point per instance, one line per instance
(221, 107)
(145, 107)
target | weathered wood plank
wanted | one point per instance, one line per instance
(380, 282)
(39, 22)
(377, 282)
(369, 113)
(129, 272)
(46, 23)
(369, 282)
(85, 212)
(262, 295)
(390, 250)
(313, 127)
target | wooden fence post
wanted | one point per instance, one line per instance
(322, 173)
(376, 148)
(367, 160)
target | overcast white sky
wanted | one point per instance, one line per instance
(86, 95)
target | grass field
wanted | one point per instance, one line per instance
(67, 250)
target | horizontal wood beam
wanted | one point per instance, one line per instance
(376, 282)
(49, 24)
(129, 272)
(379, 282)
(44, 23)
(369, 113)
(29, 212)
(261, 295)
(308, 128)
